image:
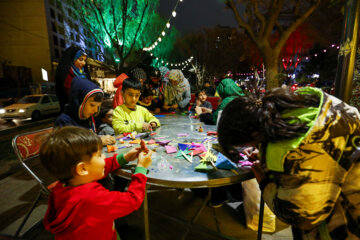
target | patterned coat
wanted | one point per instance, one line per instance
(318, 189)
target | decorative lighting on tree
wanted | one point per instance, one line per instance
(173, 14)
(168, 25)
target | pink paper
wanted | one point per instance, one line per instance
(152, 141)
(170, 149)
(198, 146)
(182, 134)
(163, 143)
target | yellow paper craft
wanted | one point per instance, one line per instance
(137, 141)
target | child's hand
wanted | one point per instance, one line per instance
(198, 110)
(198, 103)
(146, 126)
(132, 155)
(145, 159)
(252, 153)
(107, 140)
(153, 125)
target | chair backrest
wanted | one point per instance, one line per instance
(27, 146)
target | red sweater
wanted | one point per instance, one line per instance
(88, 211)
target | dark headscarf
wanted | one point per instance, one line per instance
(66, 62)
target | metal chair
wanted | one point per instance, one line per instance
(27, 147)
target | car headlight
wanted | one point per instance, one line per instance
(21, 110)
(2, 110)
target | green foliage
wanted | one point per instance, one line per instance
(122, 27)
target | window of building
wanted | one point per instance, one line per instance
(55, 38)
(57, 53)
(60, 17)
(62, 43)
(53, 26)
(52, 13)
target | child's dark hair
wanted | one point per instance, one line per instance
(245, 116)
(99, 97)
(65, 147)
(146, 93)
(131, 83)
(104, 110)
(155, 72)
(200, 91)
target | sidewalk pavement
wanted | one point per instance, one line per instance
(19, 190)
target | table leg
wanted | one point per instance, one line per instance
(196, 216)
(146, 216)
(261, 217)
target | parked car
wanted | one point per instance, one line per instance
(31, 106)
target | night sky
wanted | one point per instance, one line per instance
(194, 15)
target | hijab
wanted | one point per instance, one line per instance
(174, 94)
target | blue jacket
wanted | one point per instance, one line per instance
(81, 90)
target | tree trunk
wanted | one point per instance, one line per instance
(272, 71)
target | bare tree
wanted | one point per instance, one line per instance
(262, 22)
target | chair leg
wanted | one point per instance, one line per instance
(28, 214)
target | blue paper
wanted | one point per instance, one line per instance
(183, 146)
(159, 116)
(224, 163)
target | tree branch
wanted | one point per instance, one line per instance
(275, 11)
(138, 28)
(114, 22)
(240, 21)
(287, 32)
(259, 16)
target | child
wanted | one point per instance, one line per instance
(85, 101)
(201, 105)
(105, 116)
(79, 207)
(146, 99)
(130, 117)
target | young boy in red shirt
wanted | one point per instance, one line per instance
(79, 206)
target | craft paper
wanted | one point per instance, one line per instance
(182, 134)
(195, 152)
(159, 116)
(198, 146)
(179, 154)
(152, 141)
(209, 133)
(163, 143)
(137, 141)
(203, 167)
(244, 163)
(111, 148)
(170, 149)
(183, 146)
(224, 163)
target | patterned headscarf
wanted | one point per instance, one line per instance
(164, 71)
(174, 94)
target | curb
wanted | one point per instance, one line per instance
(31, 124)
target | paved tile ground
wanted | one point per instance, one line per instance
(18, 190)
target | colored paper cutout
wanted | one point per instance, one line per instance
(111, 148)
(203, 167)
(182, 134)
(179, 154)
(209, 133)
(163, 143)
(224, 163)
(136, 141)
(183, 146)
(152, 141)
(170, 149)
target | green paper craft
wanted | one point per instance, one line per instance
(203, 167)
(179, 154)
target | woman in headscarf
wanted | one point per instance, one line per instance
(177, 93)
(72, 64)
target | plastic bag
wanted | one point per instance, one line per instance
(251, 198)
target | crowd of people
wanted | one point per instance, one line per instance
(308, 166)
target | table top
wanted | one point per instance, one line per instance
(167, 170)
